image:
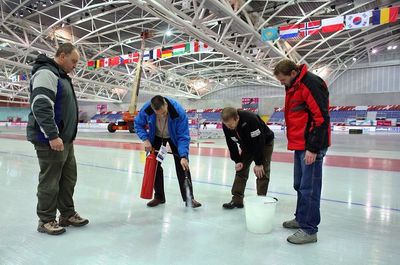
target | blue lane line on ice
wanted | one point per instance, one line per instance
(216, 184)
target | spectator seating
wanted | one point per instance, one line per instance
(340, 115)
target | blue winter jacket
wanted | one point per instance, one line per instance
(178, 125)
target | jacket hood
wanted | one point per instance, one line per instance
(44, 61)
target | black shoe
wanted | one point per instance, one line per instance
(154, 202)
(232, 204)
(195, 204)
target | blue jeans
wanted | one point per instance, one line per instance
(307, 183)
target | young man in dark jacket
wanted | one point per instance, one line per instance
(167, 122)
(308, 133)
(256, 142)
(52, 127)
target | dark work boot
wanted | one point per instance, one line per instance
(154, 202)
(231, 205)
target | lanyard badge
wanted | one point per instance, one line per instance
(162, 153)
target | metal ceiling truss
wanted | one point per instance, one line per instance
(104, 29)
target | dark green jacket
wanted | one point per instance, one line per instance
(54, 108)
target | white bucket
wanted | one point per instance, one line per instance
(260, 211)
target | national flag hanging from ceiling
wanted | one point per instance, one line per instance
(385, 15)
(148, 55)
(332, 24)
(124, 58)
(106, 62)
(359, 20)
(203, 47)
(194, 46)
(154, 54)
(309, 28)
(115, 61)
(269, 34)
(166, 52)
(90, 65)
(178, 49)
(134, 57)
(287, 32)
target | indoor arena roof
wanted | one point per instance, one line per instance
(108, 28)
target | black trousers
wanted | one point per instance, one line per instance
(180, 173)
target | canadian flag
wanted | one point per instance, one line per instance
(332, 24)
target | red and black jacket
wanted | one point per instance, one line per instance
(307, 113)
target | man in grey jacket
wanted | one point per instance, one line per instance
(52, 127)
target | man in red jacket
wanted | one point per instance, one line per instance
(308, 133)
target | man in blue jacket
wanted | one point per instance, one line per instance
(167, 122)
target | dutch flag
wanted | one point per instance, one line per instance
(287, 32)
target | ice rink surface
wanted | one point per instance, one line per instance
(360, 206)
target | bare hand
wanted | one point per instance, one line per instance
(147, 146)
(259, 171)
(309, 157)
(57, 144)
(238, 166)
(185, 164)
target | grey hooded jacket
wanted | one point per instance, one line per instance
(54, 108)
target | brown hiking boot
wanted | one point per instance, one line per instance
(74, 220)
(51, 228)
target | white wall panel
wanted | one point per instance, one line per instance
(367, 80)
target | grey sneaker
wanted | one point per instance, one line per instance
(74, 220)
(51, 228)
(292, 224)
(301, 237)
